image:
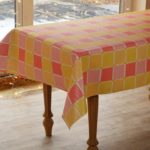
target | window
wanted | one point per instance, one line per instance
(61, 10)
(7, 16)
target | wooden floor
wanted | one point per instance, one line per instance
(124, 123)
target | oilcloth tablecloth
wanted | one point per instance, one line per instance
(82, 57)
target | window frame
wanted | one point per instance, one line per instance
(24, 9)
(24, 12)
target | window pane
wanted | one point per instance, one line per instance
(61, 10)
(7, 16)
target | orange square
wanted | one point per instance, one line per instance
(142, 52)
(120, 57)
(95, 61)
(118, 85)
(108, 59)
(131, 54)
(141, 80)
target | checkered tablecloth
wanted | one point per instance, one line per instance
(83, 57)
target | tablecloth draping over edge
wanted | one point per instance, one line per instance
(83, 57)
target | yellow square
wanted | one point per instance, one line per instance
(148, 78)
(77, 70)
(86, 63)
(141, 80)
(108, 59)
(46, 51)
(149, 51)
(66, 57)
(30, 72)
(120, 57)
(91, 89)
(68, 83)
(14, 37)
(118, 85)
(95, 61)
(29, 44)
(81, 105)
(142, 52)
(14, 52)
(130, 83)
(29, 59)
(131, 54)
(71, 116)
(48, 78)
(67, 71)
(46, 65)
(13, 65)
(105, 87)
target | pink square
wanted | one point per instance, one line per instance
(81, 52)
(147, 14)
(67, 33)
(37, 61)
(130, 44)
(75, 93)
(148, 40)
(59, 82)
(55, 54)
(21, 68)
(148, 65)
(68, 104)
(131, 16)
(107, 36)
(93, 76)
(119, 72)
(21, 54)
(119, 46)
(147, 21)
(85, 78)
(4, 49)
(90, 30)
(3, 62)
(106, 74)
(130, 69)
(129, 33)
(56, 68)
(22, 39)
(37, 47)
(130, 24)
(59, 44)
(38, 74)
(147, 29)
(107, 48)
(140, 67)
(140, 42)
(86, 40)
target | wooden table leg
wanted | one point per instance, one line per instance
(92, 117)
(149, 94)
(48, 121)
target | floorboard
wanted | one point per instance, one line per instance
(124, 123)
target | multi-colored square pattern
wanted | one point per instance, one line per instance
(82, 57)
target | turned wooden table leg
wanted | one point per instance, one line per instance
(92, 117)
(48, 121)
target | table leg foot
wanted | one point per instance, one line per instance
(92, 118)
(92, 148)
(48, 124)
(48, 121)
